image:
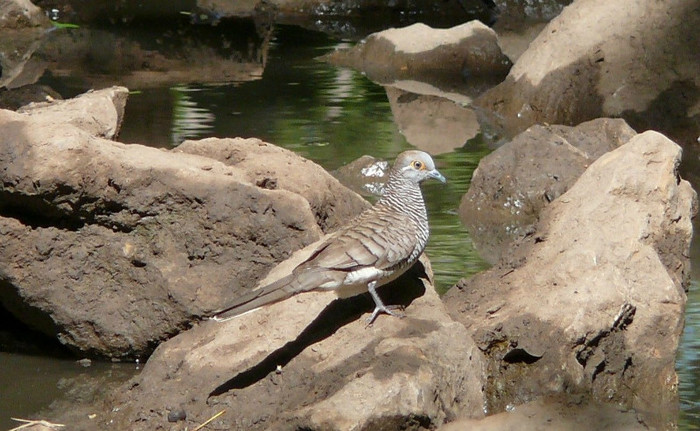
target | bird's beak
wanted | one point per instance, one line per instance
(437, 175)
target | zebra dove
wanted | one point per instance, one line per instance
(373, 249)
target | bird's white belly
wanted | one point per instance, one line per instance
(356, 282)
(364, 276)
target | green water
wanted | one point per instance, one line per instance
(332, 116)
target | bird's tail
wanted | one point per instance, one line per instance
(277, 291)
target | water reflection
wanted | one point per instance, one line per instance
(688, 362)
(431, 122)
(190, 120)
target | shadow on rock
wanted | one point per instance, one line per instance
(336, 315)
(363, 378)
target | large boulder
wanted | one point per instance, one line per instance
(593, 301)
(468, 53)
(606, 59)
(113, 248)
(308, 363)
(511, 185)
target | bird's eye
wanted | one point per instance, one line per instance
(417, 165)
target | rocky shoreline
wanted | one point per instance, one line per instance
(121, 252)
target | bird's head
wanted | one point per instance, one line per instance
(417, 166)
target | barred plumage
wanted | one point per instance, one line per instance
(373, 249)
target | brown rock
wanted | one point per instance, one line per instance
(593, 301)
(16, 14)
(23, 25)
(16, 98)
(311, 363)
(511, 185)
(600, 59)
(273, 167)
(20, 66)
(98, 113)
(113, 248)
(468, 52)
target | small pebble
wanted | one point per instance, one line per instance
(177, 415)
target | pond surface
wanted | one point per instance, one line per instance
(329, 115)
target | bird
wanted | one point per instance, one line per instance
(371, 250)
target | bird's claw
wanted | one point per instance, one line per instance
(387, 309)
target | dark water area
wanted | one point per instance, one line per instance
(327, 114)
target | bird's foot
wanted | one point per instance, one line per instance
(386, 309)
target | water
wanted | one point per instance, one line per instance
(327, 114)
(688, 359)
(30, 383)
(688, 362)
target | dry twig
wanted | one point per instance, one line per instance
(209, 420)
(29, 422)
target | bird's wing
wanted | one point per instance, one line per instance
(378, 239)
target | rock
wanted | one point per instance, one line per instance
(593, 301)
(98, 113)
(519, 22)
(113, 248)
(96, 57)
(311, 363)
(511, 185)
(20, 66)
(515, 41)
(604, 59)
(554, 415)
(421, 118)
(446, 57)
(365, 175)
(268, 166)
(23, 26)
(517, 11)
(16, 98)
(15, 14)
